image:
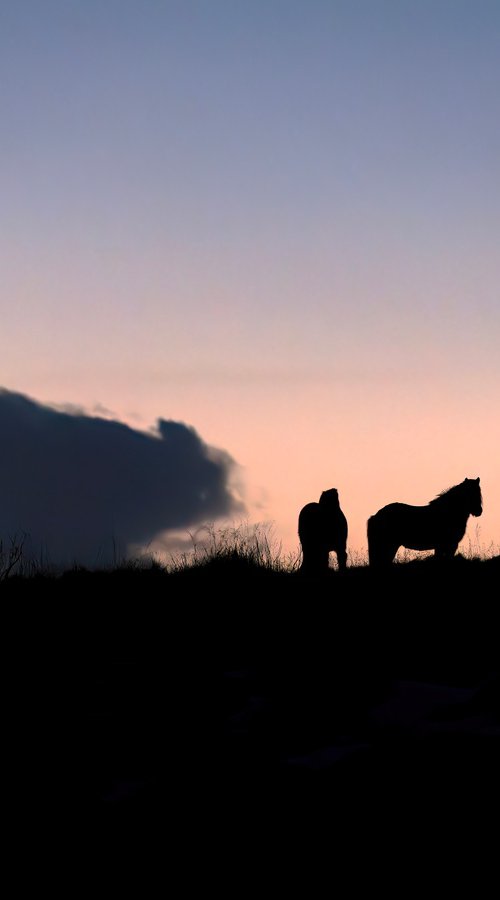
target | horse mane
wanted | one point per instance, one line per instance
(451, 494)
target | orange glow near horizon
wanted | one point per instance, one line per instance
(375, 444)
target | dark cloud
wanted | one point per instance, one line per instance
(81, 486)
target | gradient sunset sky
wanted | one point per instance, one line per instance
(275, 221)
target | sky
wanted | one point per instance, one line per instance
(272, 225)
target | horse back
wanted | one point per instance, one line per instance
(309, 520)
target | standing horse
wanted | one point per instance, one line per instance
(439, 526)
(322, 528)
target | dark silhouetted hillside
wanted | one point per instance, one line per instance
(286, 696)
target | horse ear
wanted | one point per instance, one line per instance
(477, 479)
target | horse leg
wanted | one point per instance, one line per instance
(342, 559)
(446, 551)
(381, 550)
(307, 563)
(314, 560)
(323, 557)
(381, 557)
(391, 553)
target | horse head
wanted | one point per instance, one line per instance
(475, 496)
(330, 498)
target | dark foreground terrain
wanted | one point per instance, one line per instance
(238, 698)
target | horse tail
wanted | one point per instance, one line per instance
(376, 554)
(312, 539)
(370, 531)
(309, 522)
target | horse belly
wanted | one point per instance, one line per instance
(413, 543)
(424, 532)
(418, 532)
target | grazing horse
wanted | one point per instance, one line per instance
(323, 527)
(439, 526)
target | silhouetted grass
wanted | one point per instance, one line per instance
(236, 548)
(231, 552)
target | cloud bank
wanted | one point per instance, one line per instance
(80, 486)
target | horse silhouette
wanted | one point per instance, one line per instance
(439, 526)
(322, 528)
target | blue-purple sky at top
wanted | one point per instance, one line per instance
(242, 214)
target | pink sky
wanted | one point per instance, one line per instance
(278, 223)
